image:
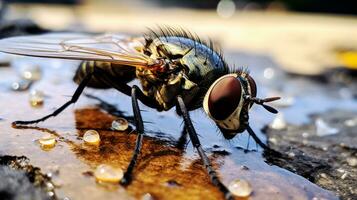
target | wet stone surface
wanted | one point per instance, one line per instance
(327, 160)
(168, 167)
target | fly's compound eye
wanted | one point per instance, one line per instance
(224, 98)
(223, 103)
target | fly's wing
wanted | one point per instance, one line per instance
(114, 48)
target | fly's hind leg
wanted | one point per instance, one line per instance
(88, 74)
(136, 94)
(74, 98)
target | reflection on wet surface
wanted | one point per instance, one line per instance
(165, 170)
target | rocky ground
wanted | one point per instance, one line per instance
(328, 160)
(20, 180)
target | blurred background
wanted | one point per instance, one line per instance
(303, 37)
(329, 6)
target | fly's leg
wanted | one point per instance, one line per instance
(260, 143)
(247, 147)
(125, 88)
(196, 143)
(74, 98)
(256, 138)
(182, 141)
(140, 134)
(106, 78)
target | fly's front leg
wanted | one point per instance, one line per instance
(140, 134)
(74, 98)
(260, 143)
(196, 143)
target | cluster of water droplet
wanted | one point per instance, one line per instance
(105, 173)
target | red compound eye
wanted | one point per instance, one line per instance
(253, 86)
(224, 97)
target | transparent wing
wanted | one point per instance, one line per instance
(114, 48)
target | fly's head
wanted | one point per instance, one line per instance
(228, 100)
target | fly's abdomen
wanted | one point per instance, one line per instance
(87, 67)
(111, 71)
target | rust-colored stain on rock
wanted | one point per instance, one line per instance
(158, 172)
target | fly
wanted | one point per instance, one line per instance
(175, 69)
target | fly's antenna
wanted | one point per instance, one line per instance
(262, 101)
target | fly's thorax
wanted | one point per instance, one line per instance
(226, 105)
(188, 64)
(195, 58)
(165, 90)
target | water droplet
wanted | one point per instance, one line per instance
(51, 194)
(120, 124)
(48, 141)
(352, 162)
(279, 122)
(49, 174)
(226, 8)
(305, 134)
(351, 122)
(21, 85)
(32, 72)
(54, 169)
(91, 137)
(147, 196)
(50, 186)
(323, 175)
(323, 129)
(106, 173)
(36, 98)
(240, 188)
(268, 73)
(291, 154)
(344, 175)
